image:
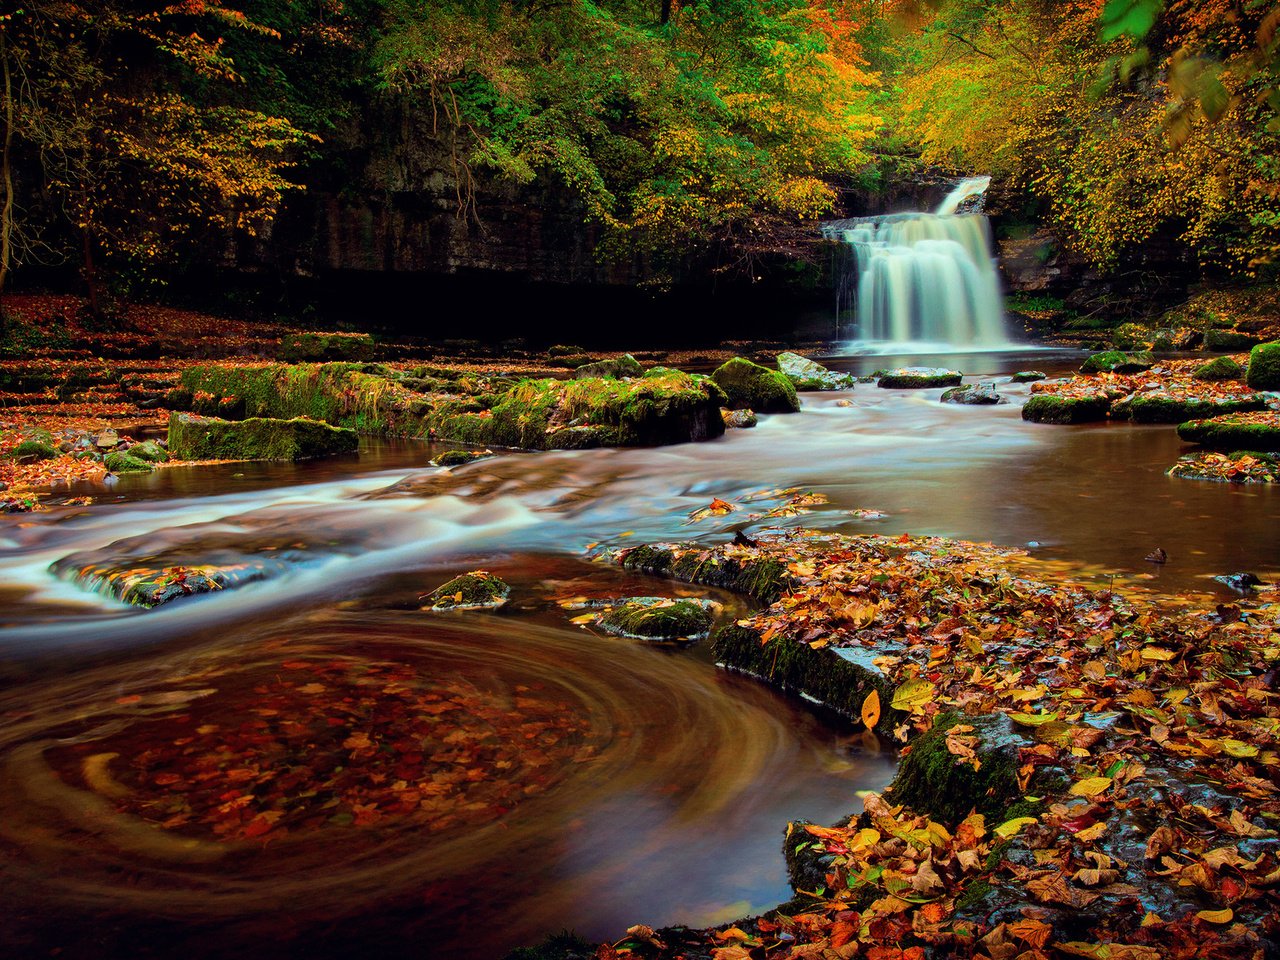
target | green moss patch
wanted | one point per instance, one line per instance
(1054, 408)
(805, 374)
(33, 450)
(658, 618)
(1264, 367)
(1175, 406)
(120, 461)
(1219, 368)
(476, 590)
(457, 458)
(751, 386)
(1116, 361)
(258, 438)
(620, 368)
(1236, 431)
(307, 347)
(1027, 376)
(1228, 341)
(918, 378)
(764, 578)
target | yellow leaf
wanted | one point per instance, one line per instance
(1216, 916)
(585, 618)
(1090, 786)
(871, 709)
(913, 696)
(1157, 653)
(1011, 828)
(1033, 719)
(1238, 748)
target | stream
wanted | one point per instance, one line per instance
(576, 780)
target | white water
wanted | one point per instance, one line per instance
(926, 277)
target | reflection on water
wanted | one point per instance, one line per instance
(227, 770)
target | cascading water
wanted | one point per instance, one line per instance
(926, 277)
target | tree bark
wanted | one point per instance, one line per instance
(6, 170)
(90, 274)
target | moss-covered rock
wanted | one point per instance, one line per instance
(763, 578)
(259, 438)
(1132, 336)
(1061, 409)
(123, 461)
(150, 451)
(933, 780)
(619, 368)
(805, 374)
(1116, 361)
(1158, 406)
(476, 590)
(308, 347)
(973, 394)
(1219, 368)
(1235, 431)
(564, 350)
(142, 584)
(1228, 341)
(842, 679)
(1027, 376)
(738, 419)
(758, 388)
(457, 458)
(33, 450)
(658, 618)
(918, 378)
(1264, 367)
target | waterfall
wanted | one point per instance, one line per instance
(926, 277)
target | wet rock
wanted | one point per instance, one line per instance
(1235, 431)
(918, 378)
(107, 439)
(1264, 367)
(805, 374)
(1158, 406)
(17, 504)
(583, 437)
(1219, 368)
(659, 618)
(148, 585)
(120, 461)
(564, 350)
(1116, 361)
(1052, 408)
(981, 394)
(477, 590)
(312, 347)
(1027, 376)
(1242, 582)
(749, 385)
(738, 419)
(620, 368)
(149, 450)
(30, 450)
(259, 438)
(1229, 341)
(456, 458)
(765, 579)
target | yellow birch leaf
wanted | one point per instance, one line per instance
(1216, 916)
(871, 709)
(1090, 786)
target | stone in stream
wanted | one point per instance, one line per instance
(477, 590)
(259, 438)
(979, 394)
(1062, 409)
(1176, 406)
(622, 368)
(123, 461)
(659, 618)
(918, 378)
(1027, 376)
(738, 419)
(1117, 361)
(805, 374)
(1259, 430)
(457, 458)
(1264, 367)
(1219, 368)
(151, 586)
(749, 385)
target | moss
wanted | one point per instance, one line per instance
(148, 587)
(971, 394)
(150, 451)
(456, 458)
(624, 366)
(974, 894)
(326, 346)
(479, 588)
(657, 618)
(738, 419)
(1026, 376)
(1048, 408)
(918, 378)
(559, 946)
(33, 450)
(201, 438)
(120, 461)
(749, 385)
(1219, 368)
(1232, 432)
(564, 350)
(804, 374)
(1131, 336)
(825, 675)
(932, 780)
(1227, 341)
(763, 578)
(1156, 407)
(1115, 361)
(1264, 367)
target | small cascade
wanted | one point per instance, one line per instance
(926, 277)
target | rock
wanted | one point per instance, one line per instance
(804, 374)
(1056, 408)
(149, 450)
(310, 347)
(1259, 430)
(1026, 376)
(476, 590)
(118, 461)
(738, 419)
(1264, 367)
(456, 458)
(1219, 368)
(564, 350)
(1159, 406)
(982, 394)
(1115, 361)
(29, 450)
(659, 618)
(765, 579)
(1132, 336)
(1228, 341)
(1242, 582)
(144, 584)
(107, 439)
(749, 385)
(622, 367)
(258, 438)
(918, 378)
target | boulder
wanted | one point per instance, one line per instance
(1057, 408)
(1160, 406)
(143, 584)
(1229, 341)
(738, 419)
(918, 378)
(658, 618)
(150, 451)
(123, 461)
(749, 385)
(1219, 368)
(456, 458)
(804, 374)
(619, 368)
(981, 394)
(476, 590)
(1116, 361)
(260, 438)
(309, 347)
(1235, 431)
(29, 450)
(1027, 376)
(1264, 367)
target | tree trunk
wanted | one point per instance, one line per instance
(90, 274)
(666, 12)
(6, 172)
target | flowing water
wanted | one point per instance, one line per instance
(312, 765)
(926, 278)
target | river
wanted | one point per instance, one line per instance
(568, 779)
